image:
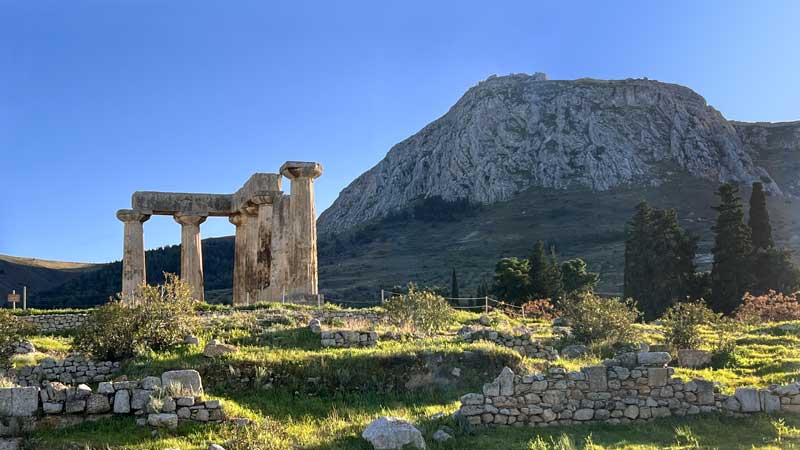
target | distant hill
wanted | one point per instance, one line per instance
(518, 158)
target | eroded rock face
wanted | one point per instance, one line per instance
(392, 433)
(514, 132)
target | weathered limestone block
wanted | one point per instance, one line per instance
(163, 420)
(597, 377)
(185, 381)
(391, 433)
(19, 401)
(749, 399)
(694, 359)
(122, 402)
(658, 359)
(97, 404)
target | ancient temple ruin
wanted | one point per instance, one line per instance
(276, 235)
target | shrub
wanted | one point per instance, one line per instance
(422, 311)
(541, 309)
(12, 329)
(152, 318)
(770, 307)
(604, 321)
(682, 323)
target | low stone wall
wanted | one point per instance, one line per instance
(636, 387)
(73, 369)
(522, 343)
(53, 323)
(155, 401)
(348, 338)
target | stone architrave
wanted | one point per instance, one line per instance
(239, 259)
(133, 264)
(192, 252)
(303, 258)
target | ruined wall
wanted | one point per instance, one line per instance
(634, 387)
(522, 343)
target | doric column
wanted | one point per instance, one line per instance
(239, 259)
(281, 237)
(251, 253)
(133, 265)
(303, 257)
(192, 252)
(264, 246)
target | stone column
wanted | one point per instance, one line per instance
(281, 237)
(303, 257)
(134, 271)
(239, 259)
(251, 254)
(192, 252)
(264, 247)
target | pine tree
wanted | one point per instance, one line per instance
(730, 273)
(511, 280)
(576, 279)
(638, 274)
(759, 219)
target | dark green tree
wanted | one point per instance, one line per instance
(730, 273)
(659, 260)
(761, 230)
(576, 279)
(544, 273)
(454, 285)
(511, 280)
(483, 289)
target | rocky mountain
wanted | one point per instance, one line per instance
(508, 134)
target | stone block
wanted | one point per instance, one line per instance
(657, 377)
(694, 359)
(52, 408)
(658, 359)
(770, 403)
(597, 377)
(704, 391)
(19, 401)
(749, 399)
(163, 420)
(97, 404)
(122, 402)
(186, 381)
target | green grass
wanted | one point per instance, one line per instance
(321, 399)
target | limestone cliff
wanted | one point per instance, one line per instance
(512, 133)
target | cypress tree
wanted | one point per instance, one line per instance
(759, 218)
(637, 253)
(454, 285)
(730, 273)
(538, 272)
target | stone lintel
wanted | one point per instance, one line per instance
(301, 169)
(132, 215)
(258, 184)
(170, 203)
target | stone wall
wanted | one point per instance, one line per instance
(54, 323)
(155, 401)
(633, 387)
(522, 343)
(73, 369)
(348, 338)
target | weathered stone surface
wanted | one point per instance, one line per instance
(392, 433)
(19, 401)
(749, 399)
(597, 377)
(574, 351)
(97, 404)
(506, 382)
(185, 381)
(694, 359)
(163, 420)
(657, 359)
(215, 348)
(10, 443)
(770, 403)
(105, 387)
(122, 402)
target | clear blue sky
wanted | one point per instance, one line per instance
(102, 98)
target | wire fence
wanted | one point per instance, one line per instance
(486, 303)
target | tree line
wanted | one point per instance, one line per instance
(660, 267)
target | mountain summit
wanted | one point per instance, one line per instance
(511, 133)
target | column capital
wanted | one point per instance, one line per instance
(250, 210)
(237, 219)
(189, 219)
(300, 169)
(132, 215)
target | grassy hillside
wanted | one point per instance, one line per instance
(38, 274)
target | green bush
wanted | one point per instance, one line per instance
(682, 324)
(152, 318)
(601, 321)
(12, 329)
(421, 311)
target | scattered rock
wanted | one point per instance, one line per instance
(694, 359)
(456, 372)
(185, 382)
(163, 420)
(315, 326)
(392, 433)
(658, 359)
(485, 320)
(215, 447)
(574, 351)
(11, 444)
(191, 340)
(215, 348)
(441, 436)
